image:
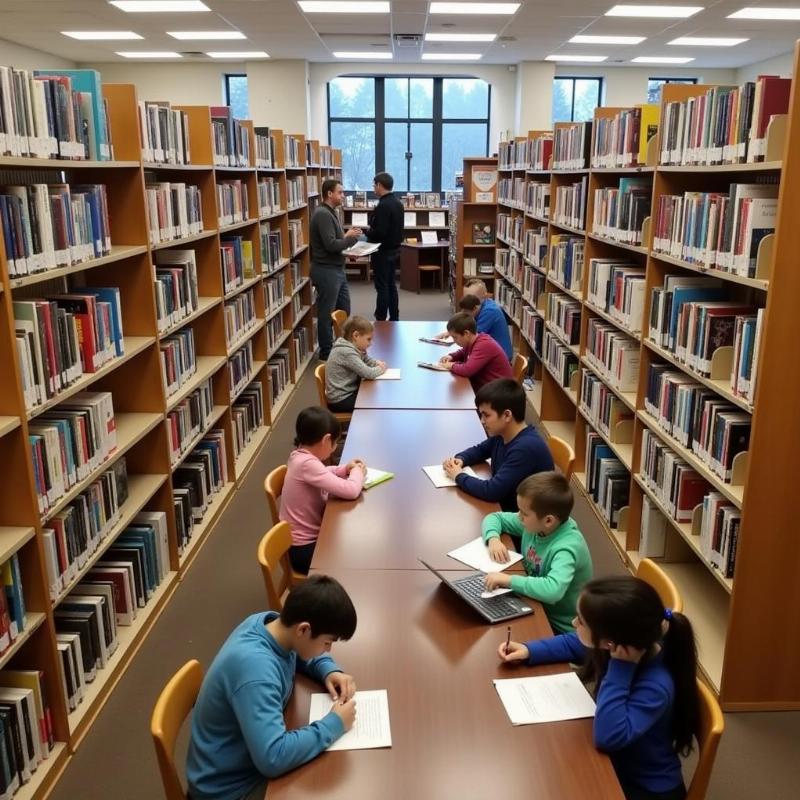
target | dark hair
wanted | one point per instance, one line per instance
(356, 324)
(503, 394)
(548, 493)
(323, 603)
(469, 302)
(328, 185)
(313, 423)
(461, 323)
(385, 180)
(627, 611)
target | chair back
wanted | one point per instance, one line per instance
(273, 551)
(519, 366)
(563, 455)
(171, 709)
(319, 376)
(712, 724)
(651, 573)
(338, 318)
(273, 487)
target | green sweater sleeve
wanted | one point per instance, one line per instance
(551, 587)
(501, 522)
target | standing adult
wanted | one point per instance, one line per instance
(328, 242)
(386, 227)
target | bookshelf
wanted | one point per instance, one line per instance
(140, 400)
(736, 619)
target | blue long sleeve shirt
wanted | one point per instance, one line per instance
(492, 320)
(633, 718)
(526, 454)
(239, 736)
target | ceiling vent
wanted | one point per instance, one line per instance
(506, 38)
(192, 53)
(408, 40)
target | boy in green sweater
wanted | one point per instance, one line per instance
(555, 556)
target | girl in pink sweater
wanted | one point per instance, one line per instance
(309, 482)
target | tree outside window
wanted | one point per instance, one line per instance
(654, 86)
(236, 95)
(575, 99)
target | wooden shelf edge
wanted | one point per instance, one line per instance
(48, 772)
(248, 455)
(13, 538)
(206, 367)
(33, 619)
(218, 411)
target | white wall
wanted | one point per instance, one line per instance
(779, 65)
(15, 55)
(534, 97)
(279, 94)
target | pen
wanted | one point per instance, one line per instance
(508, 639)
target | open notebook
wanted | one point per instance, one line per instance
(376, 476)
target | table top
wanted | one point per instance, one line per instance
(451, 737)
(397, 522)
(397, 343)
(423, 245)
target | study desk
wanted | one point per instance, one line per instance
(397, 522)
(451, 737)
(397, 343)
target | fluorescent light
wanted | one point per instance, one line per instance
(707, 41)
(154, 6)
(152, 54)
(660, 60)
(460, 37)
(376, 55)
(344, 6)
(451, 56)
(238, 56)
(606, 39)
(497, 9)
(679, 12)
(593, 59)
(101, 36)
(766, 13)
(205, 35)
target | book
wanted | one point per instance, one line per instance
(483, 233)
(376, 476)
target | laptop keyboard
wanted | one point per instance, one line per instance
(495, 607)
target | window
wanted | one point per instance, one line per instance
(654, 86)
(575, 99)
(236, 95)
(419, 129)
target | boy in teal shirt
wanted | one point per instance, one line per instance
(555, 555)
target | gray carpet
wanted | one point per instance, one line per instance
(758, 756)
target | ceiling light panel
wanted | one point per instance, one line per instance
(766, 13)
(571, 58)
(344, 6)
(607, 39)
(496, 9)
(101, 36)
(460, 37)
(149, 54)
(451, 56)
(359, 55)
(238, 56)
(159, 6)
(665, 12)
(199, 36)
(707, 41)
(660, 60)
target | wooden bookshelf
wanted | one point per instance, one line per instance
(736, 619)
(135, 381)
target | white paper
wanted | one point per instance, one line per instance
(429, 237)
(475, 554)
(439, 477)
(547, 698)
(373, 476)
(359, 220)
(362, 249)
(389, 375)
(371, 728)
(494, 593)
(436, 219)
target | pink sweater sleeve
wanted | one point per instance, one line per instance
(316, 474)
(478, 357)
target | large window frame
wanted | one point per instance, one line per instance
(437, 120)
(663, 80)
(595, 78)
(227, 89)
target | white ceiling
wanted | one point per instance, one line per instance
(280, 27)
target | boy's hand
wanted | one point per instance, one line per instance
(445, 360)
(346, 712)
(453, 467)
(497, 580)
(340, 686)
(515, 652)
(624, 652)
(382, 365)
(442, 335)
(498, 551)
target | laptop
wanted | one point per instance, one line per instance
(493, 609)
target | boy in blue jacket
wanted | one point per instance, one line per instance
(239, 738)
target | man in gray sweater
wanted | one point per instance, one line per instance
(328, 242)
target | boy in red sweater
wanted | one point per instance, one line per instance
(480, 358)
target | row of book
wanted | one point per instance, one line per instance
(303, 340)
(571, 145)
(509, 264)
(566, 261)
(570, 204)
(279, 374)
(188, 419)
(613, 355)
(558, 358)
(296, 235)
(715, 229)
(174, 211)
(526, 154)
(240, 316)
(291, 151)
(269, 196)
(266, 155)
(722, 124)
(236, 260)
(230, 139)
(47, 226)
(509, 298)
(697, 418)
(232, 201)
(296, 270)
(511, 191)
(59, 339)
(510, 229)
(478, 267)
(274, 292)
(617, 287)
(746, 338)
(240, 368)
(275, 332)
(537, 198)
(176, 288)
(564, 314)
(534, 246)
(54, 114)
(296, 192)
(619, 211)
(178, 357)
(621, 140)
(247, 415)
(533, 286)
(605, 410)
(164, 132)
(607, 478)
(271, 247)
(12, 603)
(532, 327)
(719, 532)
(312, 185)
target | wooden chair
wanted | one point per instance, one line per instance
(171, 709)
(273, 550)
(319, 375)
(563, 455)
(651, 573)
(712, 724)
(519, 366)
(338, 318)
(273, 487)
(436, 271)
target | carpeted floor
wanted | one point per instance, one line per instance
(758, 757)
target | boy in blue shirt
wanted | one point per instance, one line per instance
(239, 738)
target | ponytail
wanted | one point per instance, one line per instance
(680, 658)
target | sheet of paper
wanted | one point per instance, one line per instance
(371, 728)
(439, 477)
(546, 698)
(360, 220)
(436, 219)
(429, 237)
(376, 476)
(389, 375)
(361, 249)
(475, 554)
(494, 593)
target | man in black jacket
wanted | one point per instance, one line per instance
(386, 227)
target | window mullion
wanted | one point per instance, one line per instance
(436, 137)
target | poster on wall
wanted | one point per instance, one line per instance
(484, 185)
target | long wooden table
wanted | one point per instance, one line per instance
(451, 738)
(397, 343)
